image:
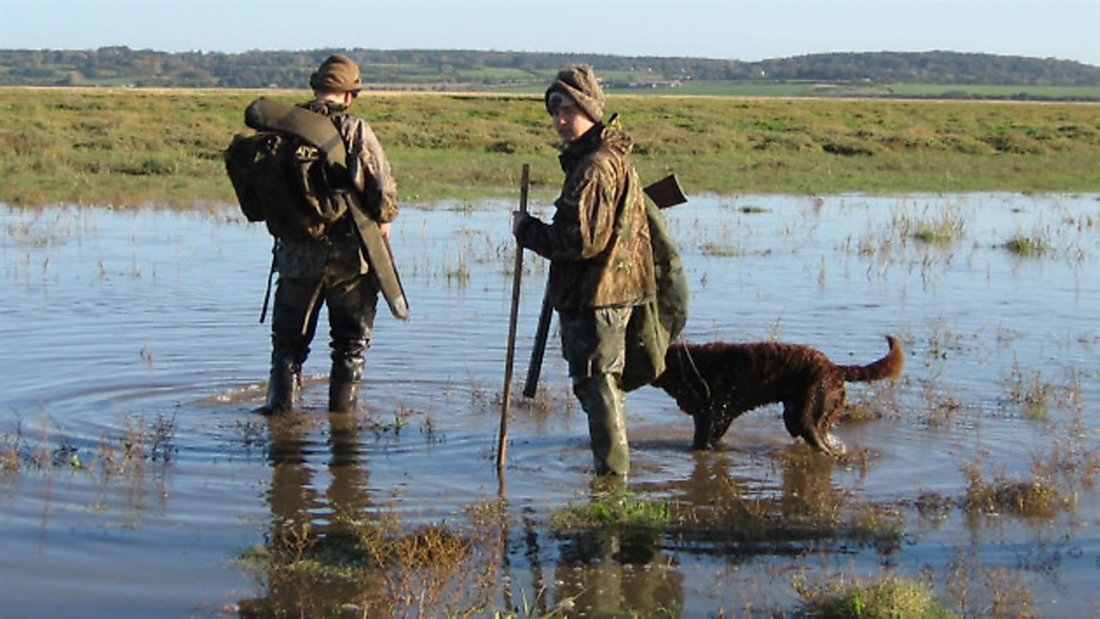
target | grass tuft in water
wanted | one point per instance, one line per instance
(941, 228)
(1034, 497)
(1027, 246)
(141, 442)
(1032, 393)
(616, 508)
(891, 597)
(370, 566)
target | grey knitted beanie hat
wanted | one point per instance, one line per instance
(576, 84)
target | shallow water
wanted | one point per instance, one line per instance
(139, 329)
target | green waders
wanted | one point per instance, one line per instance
(605, 405)
(593, 342)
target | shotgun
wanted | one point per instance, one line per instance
(664, 193)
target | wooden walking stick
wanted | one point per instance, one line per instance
(517, 276)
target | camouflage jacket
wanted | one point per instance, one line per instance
(598, 241)
(339, 254)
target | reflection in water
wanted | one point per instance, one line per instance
(808, 488)
(609, 571)
(311, 529)
(616, 574)
(294, 498)
(330, 551)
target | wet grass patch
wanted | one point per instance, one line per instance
(126, 453)
(1027, 246)
(369, 565)
(1034, 497)
(891, 597)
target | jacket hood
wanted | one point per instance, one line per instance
(600, 135)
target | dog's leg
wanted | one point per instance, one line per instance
(793, 413)
(831, 405)
(720, 426)
(799, 416)
(703, 417)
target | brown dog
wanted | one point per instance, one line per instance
(716, 383)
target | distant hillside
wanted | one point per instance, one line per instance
(529, 71)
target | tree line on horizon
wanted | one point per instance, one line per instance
(520, 71)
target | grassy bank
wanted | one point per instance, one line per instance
(130, 147)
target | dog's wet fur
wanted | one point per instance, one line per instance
(717, 382)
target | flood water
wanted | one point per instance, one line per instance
(136, 476)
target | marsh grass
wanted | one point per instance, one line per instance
(967, 587)
(1041, 495)
(889, 597)
(1058, 471)
(615, 508)
(942, 228)
(1035, 497)
(375, 566)
(806, 515)
(721, 251)
(47, 450)
(371, 568)
(126, 454)
(980, 590)
(130, 147)
(938, 406)
(1027, 246)
(1031, 393)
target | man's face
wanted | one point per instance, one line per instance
(571, 122)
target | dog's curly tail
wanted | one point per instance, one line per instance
(889, 366)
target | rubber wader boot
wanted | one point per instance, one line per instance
(282, 389)
(343, 386)
(605, 406)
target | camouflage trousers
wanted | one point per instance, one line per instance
(351, 303)
(594, 345)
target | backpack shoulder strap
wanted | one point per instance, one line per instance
(266, 114)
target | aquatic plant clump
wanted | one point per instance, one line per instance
(889, 598)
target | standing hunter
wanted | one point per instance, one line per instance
(332, 270)
(601, 259)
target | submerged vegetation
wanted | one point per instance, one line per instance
(892, 597)
(129, 147)
(127, 454)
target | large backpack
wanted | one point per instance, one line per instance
(293, 175)
(285, 176)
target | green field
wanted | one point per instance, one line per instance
(128, 147)
(868, 89)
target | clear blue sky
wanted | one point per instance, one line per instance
(738, 29)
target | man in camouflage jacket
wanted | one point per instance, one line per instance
(332, 271)
(601, 260)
